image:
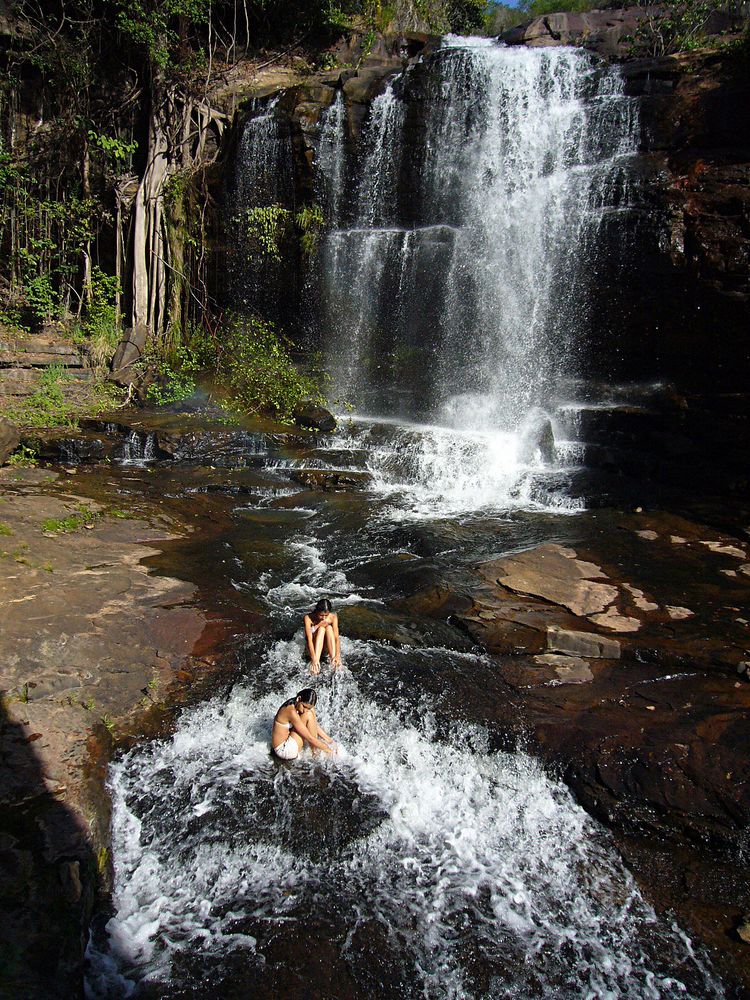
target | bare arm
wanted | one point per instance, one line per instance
(304, 732)
(309, 637)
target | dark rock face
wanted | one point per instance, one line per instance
(672, 285)
(10, 438)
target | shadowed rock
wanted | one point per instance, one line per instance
(10, 438)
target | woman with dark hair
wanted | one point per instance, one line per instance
(296, 724)
(322, 630)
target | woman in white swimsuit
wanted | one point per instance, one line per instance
(296, 724)
(322, 630)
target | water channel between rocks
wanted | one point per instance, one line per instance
(425, 861)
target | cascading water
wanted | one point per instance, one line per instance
(422, 862)
(455, 288)
(418, 864)
(263, 184)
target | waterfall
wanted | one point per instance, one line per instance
(263, 180)
(478, 190)
(454, 276)
(332, 159)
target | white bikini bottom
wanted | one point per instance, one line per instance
(288, 750)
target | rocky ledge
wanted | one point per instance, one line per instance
(91, 642)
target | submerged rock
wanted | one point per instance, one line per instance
(330, 480)
(310, 414)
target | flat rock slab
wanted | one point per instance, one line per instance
(553, 573)
(86, 627)
(613, 620)
(569, 669)
(582, 644)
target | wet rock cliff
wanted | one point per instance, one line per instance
(671, 283)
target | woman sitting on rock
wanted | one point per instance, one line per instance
(296, 724)
(322, 630)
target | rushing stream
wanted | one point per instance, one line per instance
(425, 861)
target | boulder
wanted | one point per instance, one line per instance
(330, 480)
(310, 414)
(606, 32)
(554, 574)
(129, 350)
(10, 438)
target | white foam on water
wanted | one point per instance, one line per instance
(430, 471)
(466, 853)
(313, 580)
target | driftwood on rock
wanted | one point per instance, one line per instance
(129, 350)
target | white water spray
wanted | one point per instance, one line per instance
(479, 876)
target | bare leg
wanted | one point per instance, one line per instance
(331, 645)
(318, 638)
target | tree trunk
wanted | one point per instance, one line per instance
(147, 242)
(86, 184)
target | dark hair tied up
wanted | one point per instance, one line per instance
(308, 695)
(323, 607)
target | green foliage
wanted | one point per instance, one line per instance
(106, 395)
(269, 229)
(45, 238)
(115, 148)
(175, 376)
(309, 222)
(4, 529)
(538, 8)
(60, 526)
(24, 458)
(672, 27)
(466, 16)
(151, 24)
(98, 332)
(255, 365)
(266, 228)
(46, 406)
